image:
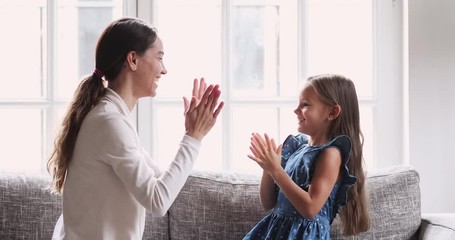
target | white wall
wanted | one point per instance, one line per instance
(432, 101)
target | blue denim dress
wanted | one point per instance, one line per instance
(298, 160)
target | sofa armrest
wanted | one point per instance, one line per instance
(437, 226)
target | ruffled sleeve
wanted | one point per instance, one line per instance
(347, 180)
(290, 145)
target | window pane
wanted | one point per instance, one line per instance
(288, 122)
(23, 46)
(80, 24)
(367, 126)
(263, 49)
(21, 140)
(191, 34)
(244, 122)
(211, 156)
(340, 40)
(169, 130)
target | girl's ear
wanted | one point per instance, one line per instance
(131, 60)
(334, 112)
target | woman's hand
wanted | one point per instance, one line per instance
(198, 91)
(202, 111)
(265, 152)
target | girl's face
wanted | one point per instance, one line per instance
(312, 114)
(150, 68)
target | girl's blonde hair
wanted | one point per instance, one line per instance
(339, 90)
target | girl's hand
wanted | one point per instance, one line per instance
(265, 152)
(201, 113)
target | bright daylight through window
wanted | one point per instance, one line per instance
(259, 52)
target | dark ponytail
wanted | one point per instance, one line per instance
(117, 40)
(87, 95)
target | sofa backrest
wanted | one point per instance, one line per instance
(227, 205)
(213, 205)
(216, 205)
(395, 210)
(28, 209)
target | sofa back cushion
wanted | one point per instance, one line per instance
(28, 210)
(394, 205)
(216, 206)
(227, 206)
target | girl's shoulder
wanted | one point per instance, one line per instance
(291, 144)
(347, 179)
(296, 140)
(343, 143)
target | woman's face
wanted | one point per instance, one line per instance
(150, 68)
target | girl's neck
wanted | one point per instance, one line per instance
(317, 140)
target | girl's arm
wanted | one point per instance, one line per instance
(325, 175)
(267, 191)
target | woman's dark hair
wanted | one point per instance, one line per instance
(118, 39)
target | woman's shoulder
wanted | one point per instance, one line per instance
(105, 112)
(107, 121)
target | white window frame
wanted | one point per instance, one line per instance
(388, 101)
(50, 102)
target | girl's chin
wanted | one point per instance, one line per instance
(301, 130)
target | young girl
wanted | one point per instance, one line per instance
(312, 176)
(107, 180)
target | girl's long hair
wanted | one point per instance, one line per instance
(339, 90)
(117, 40)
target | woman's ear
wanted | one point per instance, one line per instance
(131, 60)
(334, 112)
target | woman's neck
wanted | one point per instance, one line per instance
(125, 92)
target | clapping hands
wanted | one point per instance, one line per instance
(202, 110)
(265, 152)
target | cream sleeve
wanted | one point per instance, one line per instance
(156, 190)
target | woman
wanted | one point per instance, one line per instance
(107, 180)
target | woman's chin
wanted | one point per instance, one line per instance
(152, 92)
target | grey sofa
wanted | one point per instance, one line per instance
(222, 205)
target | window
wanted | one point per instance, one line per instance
(260, 52)
(47, 50)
